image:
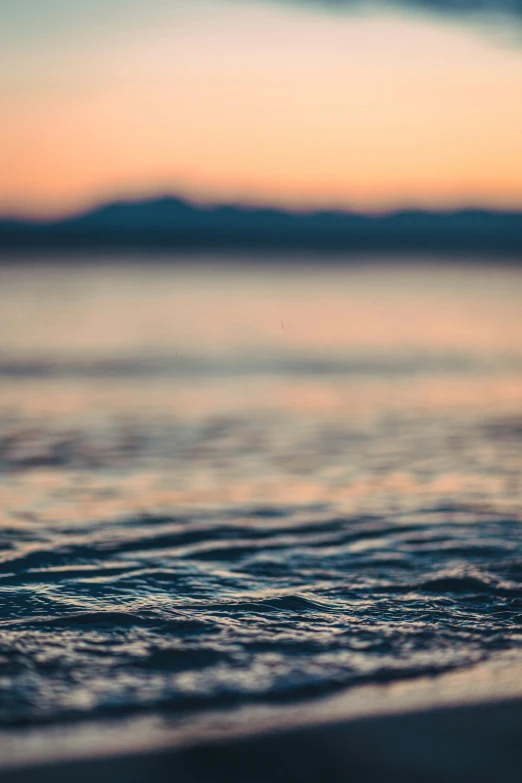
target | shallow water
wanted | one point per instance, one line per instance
(222, 484)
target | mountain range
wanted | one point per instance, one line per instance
(172, 224)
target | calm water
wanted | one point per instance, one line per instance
(225, 485)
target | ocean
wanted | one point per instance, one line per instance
(233, 484)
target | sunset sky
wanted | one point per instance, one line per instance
(303, 104)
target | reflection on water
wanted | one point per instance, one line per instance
(222, 484)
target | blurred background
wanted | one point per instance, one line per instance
(360, 105)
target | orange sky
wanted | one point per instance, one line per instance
(258, 102)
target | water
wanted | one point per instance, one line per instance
(227, 484)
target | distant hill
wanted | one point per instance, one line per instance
(176, 225)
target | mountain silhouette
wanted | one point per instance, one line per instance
(173, 224)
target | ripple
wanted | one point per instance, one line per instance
(176, 611)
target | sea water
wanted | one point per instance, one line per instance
(241, 483)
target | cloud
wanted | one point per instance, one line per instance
(465, 9)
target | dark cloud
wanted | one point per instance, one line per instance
(479, 9)
(466, 7)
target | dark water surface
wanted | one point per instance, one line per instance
(223, 485)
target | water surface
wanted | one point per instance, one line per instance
(228, 484)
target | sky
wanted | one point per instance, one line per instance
(301, 104)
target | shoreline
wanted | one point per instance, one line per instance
(466, 724)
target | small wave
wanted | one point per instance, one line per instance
(174, 611)
(287, 365)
